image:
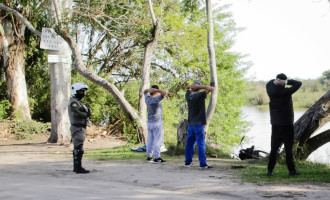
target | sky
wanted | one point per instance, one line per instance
(283, 36)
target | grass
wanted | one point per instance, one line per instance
(118, 153)
(255, 171)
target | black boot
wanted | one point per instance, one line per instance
(74, 162)
(80, 169)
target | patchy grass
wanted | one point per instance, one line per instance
(125, 152)
(118, 153)
(255, 171)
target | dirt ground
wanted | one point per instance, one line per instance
(37, 170)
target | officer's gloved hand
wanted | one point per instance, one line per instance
(89, 113)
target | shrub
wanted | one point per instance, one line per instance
(25, 129)
(4, 108)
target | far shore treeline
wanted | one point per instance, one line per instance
(310, 91)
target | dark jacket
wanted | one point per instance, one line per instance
(280, 105)
(78, 112)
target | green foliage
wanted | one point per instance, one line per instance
(325, 79)
(116, 54)
(106, 110)
(175, 150)
(4, 108)
(25, 129)
(38, 81)
(256, 94)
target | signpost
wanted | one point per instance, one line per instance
(51, 41)
(59, 59)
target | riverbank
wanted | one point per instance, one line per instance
(259, 133)
(37, 170)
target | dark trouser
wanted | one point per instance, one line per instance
(78, 138)
(282, 134)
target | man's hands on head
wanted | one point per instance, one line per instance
(280, 82)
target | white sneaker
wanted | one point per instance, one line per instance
(188, 164)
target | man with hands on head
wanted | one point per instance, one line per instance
(196, 121)
(153, 98)
(282, 118)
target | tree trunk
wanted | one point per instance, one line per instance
(313, 119)
(13, 63)
(314, 143)
(182, 132)
(60, 80)
(150, 45)
(213, 68)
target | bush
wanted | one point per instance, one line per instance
(177, 150)
(25, 129)
(4, 108)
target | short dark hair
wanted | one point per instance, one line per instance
(155, 87)
(282, 76)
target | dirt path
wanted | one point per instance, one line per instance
(43, 171)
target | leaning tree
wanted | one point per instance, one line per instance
(306, 126)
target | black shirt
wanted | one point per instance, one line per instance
(196, 108)
(280, 104)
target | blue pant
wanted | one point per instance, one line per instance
(195, 134)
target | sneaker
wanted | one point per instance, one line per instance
(294, 173)
(149, 160)
(159, 160)
(206, 166)
(188, 164)
(269, 173)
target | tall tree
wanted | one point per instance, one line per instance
(60, 80)
(145, 76)
(212, 63)
(13, 50)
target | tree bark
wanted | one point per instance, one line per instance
(314, 143)
(182, 132)
(213, 68)
(12, 37)
(313, 119)
(60, 80)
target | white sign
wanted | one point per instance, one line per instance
(59, 59)
(50, 40)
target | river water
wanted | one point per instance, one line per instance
(260, 133)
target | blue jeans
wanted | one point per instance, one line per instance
(195, 134)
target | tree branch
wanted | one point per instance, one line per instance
(22, 18)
